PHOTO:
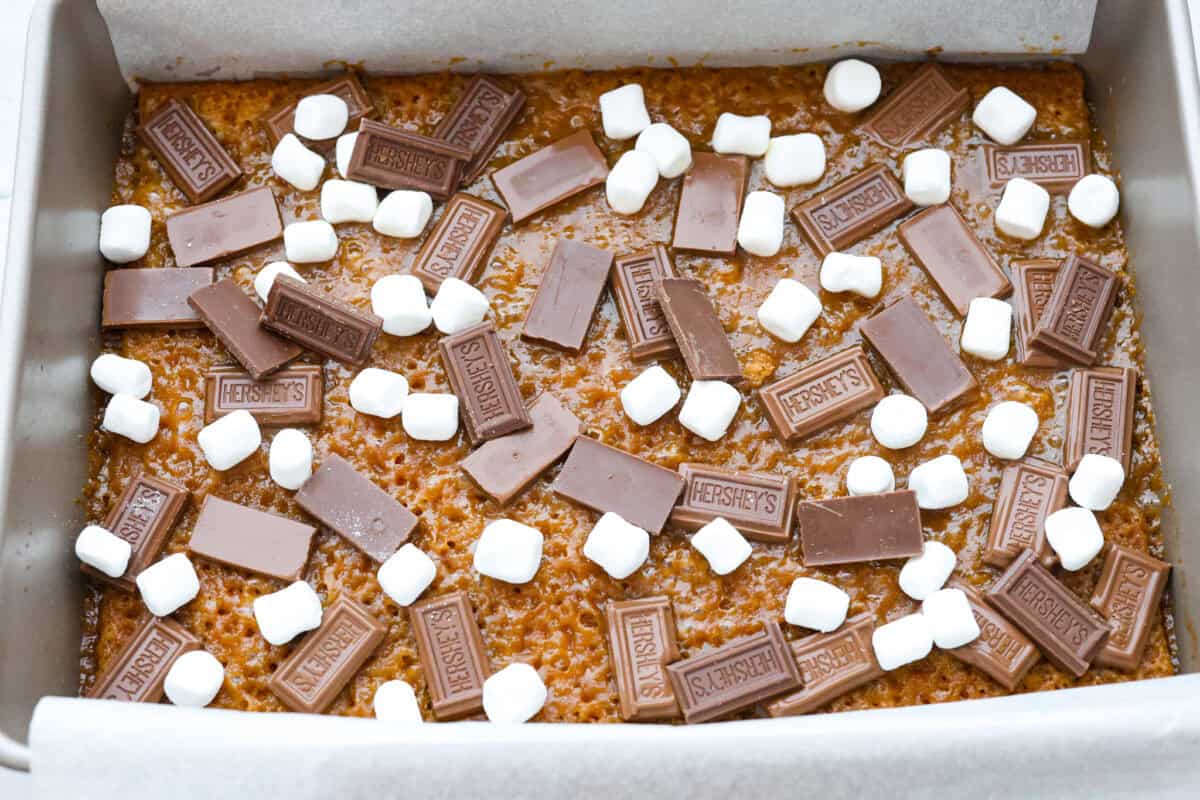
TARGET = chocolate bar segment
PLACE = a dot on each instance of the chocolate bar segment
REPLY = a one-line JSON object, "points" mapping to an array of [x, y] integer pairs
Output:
{"points": [[300, 312], [697, 330], [452, 655], [1057, 166], [394, 159], [1127, 594], [188, 151], [233, 318], [945, 246], [567, 295], [831, 664], [852, 210], [1001, 651], [634, 290], [821, 394], [280, 120], [224, 227], [604, 478], [1033, 282], [246, 538], [918, 109], [759, 504], [143, 516], [1030, 490], [479, 120], [710, 204], [290, 396], [460, 243], [849, 530], [152, 298], [1100, 410], [480, 374], [1076, 316], [140, 668], [549, 176], [641, 639]]}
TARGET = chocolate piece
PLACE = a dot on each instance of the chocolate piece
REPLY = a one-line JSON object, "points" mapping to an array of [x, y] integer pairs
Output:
{"points": [[1100, 407], [567, 295], [304, 314], [1030, 491], [918, 109], [1076, 316], [390, 158], [1127, 594], [291, 396], [188, 151], [233, 318], [941, 242], [326, 659], [1057, 166], [820, 394], [913, 348], [550, 175], [710, 204], [504, 467], [734, 676], [634, 290], [152, 298], [480, 374], [479, 120], [224, 227], [605, 479], [452, 656], [352, 506], [280, 120], [1001, 651], [460, 243], [143, 516], [697, 330], [246, 538], [759, 504], [831, 664], [848, 530], [641, 638], [1033, 281], [1068, 632], [140, 668], [852, 210]]}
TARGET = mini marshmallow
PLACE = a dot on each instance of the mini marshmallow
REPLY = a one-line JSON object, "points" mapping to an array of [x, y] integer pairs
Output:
{"points": [[671, 151], [117, 375], [899, 421], [1094, 200], [923, 575], [722, 545], [168, 585], [1075, 536], [842, 272], [509, 551], [940, 483], [1022, 210], [348, 201], [869, 475], [343, 150], [430, 417], [1004, 116], [1097, 481], [852, 85], [515, 694], [709, 409], [760, 230], [395, 701], [266, 276], [284, 615], [310, 242], [406, 574], [290, 459], [124, 233], [927, 176], [403, 214], [816, 604], [619, 547], [630, 181], [1009, 428], [988, 328], [950, 618], [400, 301], [296, 164], [794, 160], [130, 417], [378, 392], [321, 116], [194, 679], [650, 395], [902, 641], [457, 306], [789, 310], [749, 136], [623, 112], [102, 549], [230, 440]]}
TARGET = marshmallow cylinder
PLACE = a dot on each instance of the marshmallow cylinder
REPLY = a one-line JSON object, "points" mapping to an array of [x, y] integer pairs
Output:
{"points": [[168, 585], [852, 85], [789, 310], [630, 181], [760, 230], [406, 574], [117, 375], [321, 116], [738, 135], [230, 440], [457, 306], [513, 695], [709, 409], [130, 417], [794, 160], [296, 164], [310, 242], [816, 604], [124, 233], [399, 300], [509, 551], [290, 459], [194, 679], [671, 151], [902, 641], [623, 112]]}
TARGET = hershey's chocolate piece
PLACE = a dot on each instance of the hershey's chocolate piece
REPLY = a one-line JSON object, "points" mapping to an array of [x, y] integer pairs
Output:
{"points": [[550, 175], [246, 538], [1067, 631], [224, 227], [452, 654], [1076, 316], [634, 290], [734, 676], [326, 659], [567, 295], [604, 479], [831, 664], [188, 151], [152, 298], [1030, 490], [1033, 281], [710, 204], [1055, 165], [641, 638], [138, 672], [394, 159], [1001, 651], [480, 374], [233, 318], [352, 506], [697, 330], [761, 505], [460, 243], [941, 241], [872, 527], [291, 396], [1100, 408], [478, 121], [917, 354], [1127, 594], [862, 204], [302, 313], [280, 120], [504, 467], [917, 109], [820, 394], [143, 516]]}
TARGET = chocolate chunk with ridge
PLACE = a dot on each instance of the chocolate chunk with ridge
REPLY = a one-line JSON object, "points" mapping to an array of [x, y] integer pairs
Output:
{"points": [[460, 243], [290, 396], [188, 151], [850, 530], [143, 516], [1076, 316], [302, 313], [567, 295], [1057, 166], [139, 669], [1100, 409], [1128, 592], [852, 210], [233, 317], [759, 504], [390, 158], [481, 376], [941, 241], [697, 330], [279, 121], [1001, 651], [821, 394], [918, 109], [635, 292], [831, 664], [1030, 490], [152, 298], [1033, 281], [478, 121], [641, 640], [452, 654]]}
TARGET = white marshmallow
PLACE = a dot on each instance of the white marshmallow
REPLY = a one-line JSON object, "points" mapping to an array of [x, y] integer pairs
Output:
{"points": [[789, 310], [852, 85], [348, 201], [709, 409], [124, 233], [194, 679], [102, 549], [117, 375], [1009, 428], [230, 440], [378, 392], [619, 547], [940, 483], [509, 551], [513, 695], [950, 618], [1097, 481], [923, 575], [988, 328], [168, 585], [927, 176], [623, 112], [899, 421], [400, 301], [406, 574], [1094, 200], [816, 604], [630, 181], [290, 459], [650, 395], [266, 276], [1075, 536], [457, 306], [395, 701], [760, 230], [430, 417], [902, 641], [842, 272], [296, 164], [1022, 210], [343, 150], [1004, 116], [284, 615], [403, 214], [321, 116], [750, 136], [722, 545], [310, 242], [794, 160], [869, 475], [132, 418], [671, 151]]}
